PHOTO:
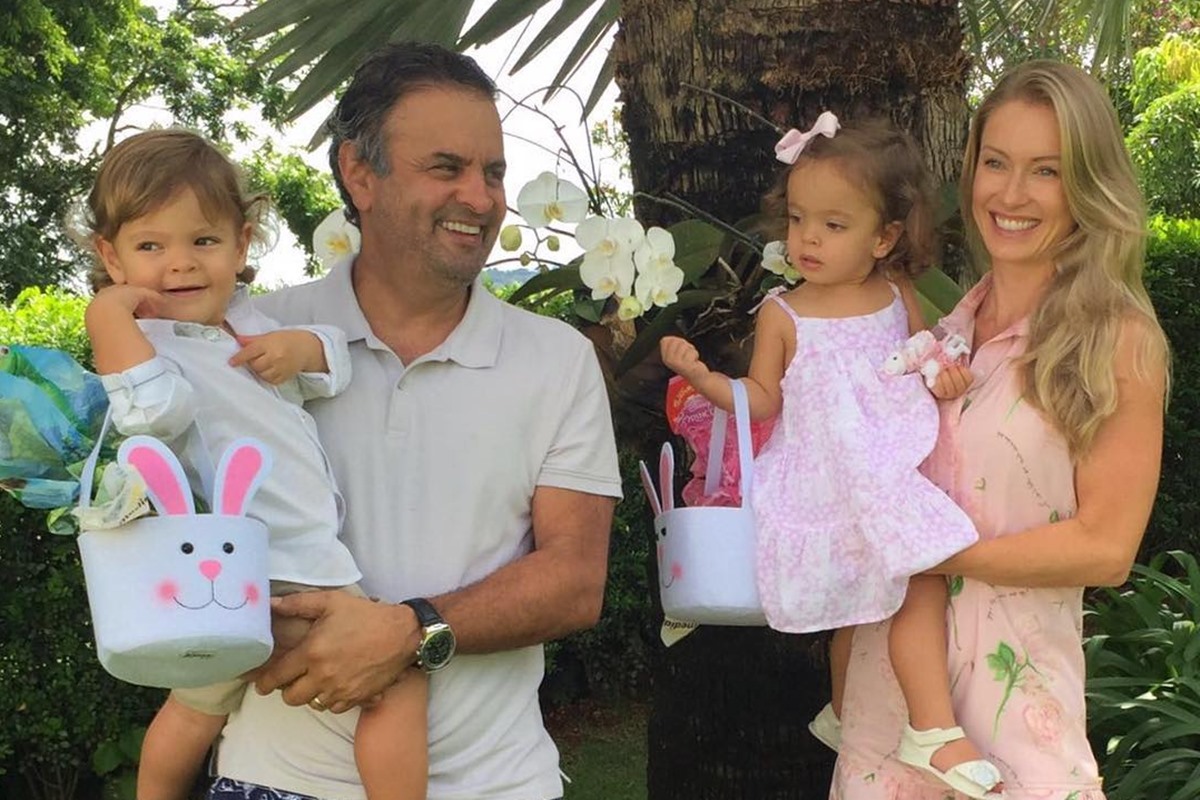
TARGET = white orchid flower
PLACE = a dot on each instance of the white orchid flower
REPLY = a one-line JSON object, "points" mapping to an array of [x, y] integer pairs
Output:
{"points": [[547, 198], [775, 259], [658, 278], [630, 308], [608, 245], [335, 238]]}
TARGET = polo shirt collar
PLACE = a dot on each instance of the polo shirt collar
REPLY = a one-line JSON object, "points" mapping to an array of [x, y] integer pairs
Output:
{"points": [[474, 342], [962, 319]]}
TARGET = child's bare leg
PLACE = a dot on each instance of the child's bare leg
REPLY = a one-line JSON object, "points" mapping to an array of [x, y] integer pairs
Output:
{"points": [[839, 664], [917, 646], [391, 742], [173, 751]]}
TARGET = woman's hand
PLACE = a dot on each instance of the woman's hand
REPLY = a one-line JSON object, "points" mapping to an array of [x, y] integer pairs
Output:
{"points": [[952, 382]]}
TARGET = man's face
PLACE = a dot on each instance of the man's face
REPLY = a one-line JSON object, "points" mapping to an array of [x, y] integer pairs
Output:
{"points": [[442, 204]]}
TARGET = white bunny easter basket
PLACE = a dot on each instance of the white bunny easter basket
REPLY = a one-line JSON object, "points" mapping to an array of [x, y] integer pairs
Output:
{"points": [[706, 554], [181, 599]]}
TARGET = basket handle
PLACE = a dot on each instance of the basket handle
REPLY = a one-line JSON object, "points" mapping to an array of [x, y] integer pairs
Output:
{"points": [[716, 444], [89, 466]]}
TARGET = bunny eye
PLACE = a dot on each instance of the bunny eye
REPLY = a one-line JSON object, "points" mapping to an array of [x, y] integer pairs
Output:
{"points": [[187, 548], [228, 547]]}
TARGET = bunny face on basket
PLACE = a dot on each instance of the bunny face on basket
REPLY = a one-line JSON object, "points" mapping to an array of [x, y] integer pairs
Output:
{"points": [[206, 562]]}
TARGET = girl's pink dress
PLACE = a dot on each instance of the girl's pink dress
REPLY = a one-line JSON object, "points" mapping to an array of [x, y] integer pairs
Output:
{"points": [[843, 517], [1016, 658]]}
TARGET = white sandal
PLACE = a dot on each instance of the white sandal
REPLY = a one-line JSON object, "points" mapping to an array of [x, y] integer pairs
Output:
{"points": [[827, 728], [975, 779]]}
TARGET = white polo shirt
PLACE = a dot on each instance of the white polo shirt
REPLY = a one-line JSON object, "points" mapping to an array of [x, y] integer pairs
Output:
{"points": [[438, 461], [189, 396]]}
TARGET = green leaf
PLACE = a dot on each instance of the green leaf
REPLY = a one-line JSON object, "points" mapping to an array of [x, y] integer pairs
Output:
{"points": [[607, 70], [567, 15], [589, 309], [591, 37], [998, 667], [939, 289], [130, 743], [658, 327], [107, 758], [500, 17], [1006, 654], [562, 279], [275, 15], [697, 245]]}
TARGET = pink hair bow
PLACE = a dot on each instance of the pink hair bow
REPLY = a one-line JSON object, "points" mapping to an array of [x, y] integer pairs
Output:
{"points": [[789, 148]]}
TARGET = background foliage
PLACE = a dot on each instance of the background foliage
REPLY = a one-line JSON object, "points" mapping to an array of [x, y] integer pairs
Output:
{"points": [[72, 73]]}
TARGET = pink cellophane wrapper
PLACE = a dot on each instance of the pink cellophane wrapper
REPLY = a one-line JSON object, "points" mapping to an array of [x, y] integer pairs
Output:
{"points": [[690, 414]]}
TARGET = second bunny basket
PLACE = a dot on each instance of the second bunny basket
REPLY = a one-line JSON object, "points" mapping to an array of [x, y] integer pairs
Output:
{"points": [[181, 599], [706, 554]]}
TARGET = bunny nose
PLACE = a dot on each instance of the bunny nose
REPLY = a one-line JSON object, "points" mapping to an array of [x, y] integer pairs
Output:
{"points": [[210, 569]]}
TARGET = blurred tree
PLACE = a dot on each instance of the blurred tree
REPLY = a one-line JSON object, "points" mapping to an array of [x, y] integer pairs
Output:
{"points": [[71, 73]]}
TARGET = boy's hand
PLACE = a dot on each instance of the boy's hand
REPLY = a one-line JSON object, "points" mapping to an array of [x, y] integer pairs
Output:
{"points": [[137, 301], [279, 356], [952, 382], [681, 357]]}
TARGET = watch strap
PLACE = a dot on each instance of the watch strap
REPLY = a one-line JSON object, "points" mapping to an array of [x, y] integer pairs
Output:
{"points": [[427, 615]]}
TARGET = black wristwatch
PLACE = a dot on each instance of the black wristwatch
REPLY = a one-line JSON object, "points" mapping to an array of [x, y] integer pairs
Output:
{"points": [[437, 639]]}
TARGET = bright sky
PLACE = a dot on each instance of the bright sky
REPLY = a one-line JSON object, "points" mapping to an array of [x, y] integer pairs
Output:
{"points": [[284, 264]]}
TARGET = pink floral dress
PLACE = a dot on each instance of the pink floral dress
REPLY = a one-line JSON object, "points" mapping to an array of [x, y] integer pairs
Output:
{"points": [[843, 518], [1015, 654]]}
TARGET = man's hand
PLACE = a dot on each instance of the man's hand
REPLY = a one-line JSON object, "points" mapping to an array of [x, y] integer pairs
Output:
{"points": [[281, 355], [681, 357], [354, 651], [952, 382]]}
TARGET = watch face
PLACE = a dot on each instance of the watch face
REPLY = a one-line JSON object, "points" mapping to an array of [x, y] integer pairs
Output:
{"points": [[437, 649]]}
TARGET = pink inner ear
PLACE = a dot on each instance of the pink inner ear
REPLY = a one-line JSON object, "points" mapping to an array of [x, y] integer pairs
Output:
{"points": [[240, 472], [160, 479]]}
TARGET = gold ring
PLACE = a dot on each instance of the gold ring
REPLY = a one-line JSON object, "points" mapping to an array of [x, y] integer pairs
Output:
{"points": [[316, 705]]}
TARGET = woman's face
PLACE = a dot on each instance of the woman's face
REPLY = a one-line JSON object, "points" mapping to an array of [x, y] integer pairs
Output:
{"points": [[1017, 198]]}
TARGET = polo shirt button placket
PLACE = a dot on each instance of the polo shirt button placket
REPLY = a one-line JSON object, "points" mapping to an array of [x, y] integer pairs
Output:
{"points": [[398, 412]]}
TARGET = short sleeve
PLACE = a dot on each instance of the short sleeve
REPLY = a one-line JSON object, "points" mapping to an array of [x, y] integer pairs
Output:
{"points": [[583, 454]]}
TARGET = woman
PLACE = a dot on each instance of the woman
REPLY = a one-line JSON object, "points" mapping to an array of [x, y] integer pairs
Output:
{"points": [[1053, 452]]}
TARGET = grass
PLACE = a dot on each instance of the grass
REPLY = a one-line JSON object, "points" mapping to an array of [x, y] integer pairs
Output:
{"points": [[603, 749]]}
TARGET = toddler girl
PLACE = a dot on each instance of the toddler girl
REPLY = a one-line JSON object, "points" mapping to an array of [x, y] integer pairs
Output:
{"points": [[845, 523], [185, 358]]}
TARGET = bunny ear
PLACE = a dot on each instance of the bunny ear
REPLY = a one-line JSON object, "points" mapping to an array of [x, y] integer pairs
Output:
{"points": [[244, 466], [666, 476], [648, 486], [165, 482]]}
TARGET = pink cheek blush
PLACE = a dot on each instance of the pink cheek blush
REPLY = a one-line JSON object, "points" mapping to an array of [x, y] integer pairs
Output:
{"points": [[166, 591]]}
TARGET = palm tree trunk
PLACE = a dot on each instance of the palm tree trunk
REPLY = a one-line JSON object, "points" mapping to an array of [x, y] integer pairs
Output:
{"points": [[731, 705]]}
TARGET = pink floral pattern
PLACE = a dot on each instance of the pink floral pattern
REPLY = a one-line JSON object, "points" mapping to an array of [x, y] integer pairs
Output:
{"points": [[1015, 653], [843, 516]]}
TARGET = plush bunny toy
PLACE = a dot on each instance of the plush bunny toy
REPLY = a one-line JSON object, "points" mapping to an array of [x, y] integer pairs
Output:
{"points": [[927, 354], [182, 599]]}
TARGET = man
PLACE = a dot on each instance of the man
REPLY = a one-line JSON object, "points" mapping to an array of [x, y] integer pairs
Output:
{"points": [[474, 449]]}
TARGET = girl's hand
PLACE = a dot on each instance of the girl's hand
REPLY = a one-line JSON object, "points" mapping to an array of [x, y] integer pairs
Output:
{"points": [[137, 301], [682, 358], [952, 382], [280, 355]]}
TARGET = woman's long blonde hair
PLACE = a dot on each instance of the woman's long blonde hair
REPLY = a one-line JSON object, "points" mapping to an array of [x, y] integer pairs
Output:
{"points": [[1068, 366]]}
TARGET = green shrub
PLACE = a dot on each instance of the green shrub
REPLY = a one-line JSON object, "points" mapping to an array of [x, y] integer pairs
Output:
{"points": [[1164, 141], [63, 714], [1173, 278], [1143, 687], [612, 659]]}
